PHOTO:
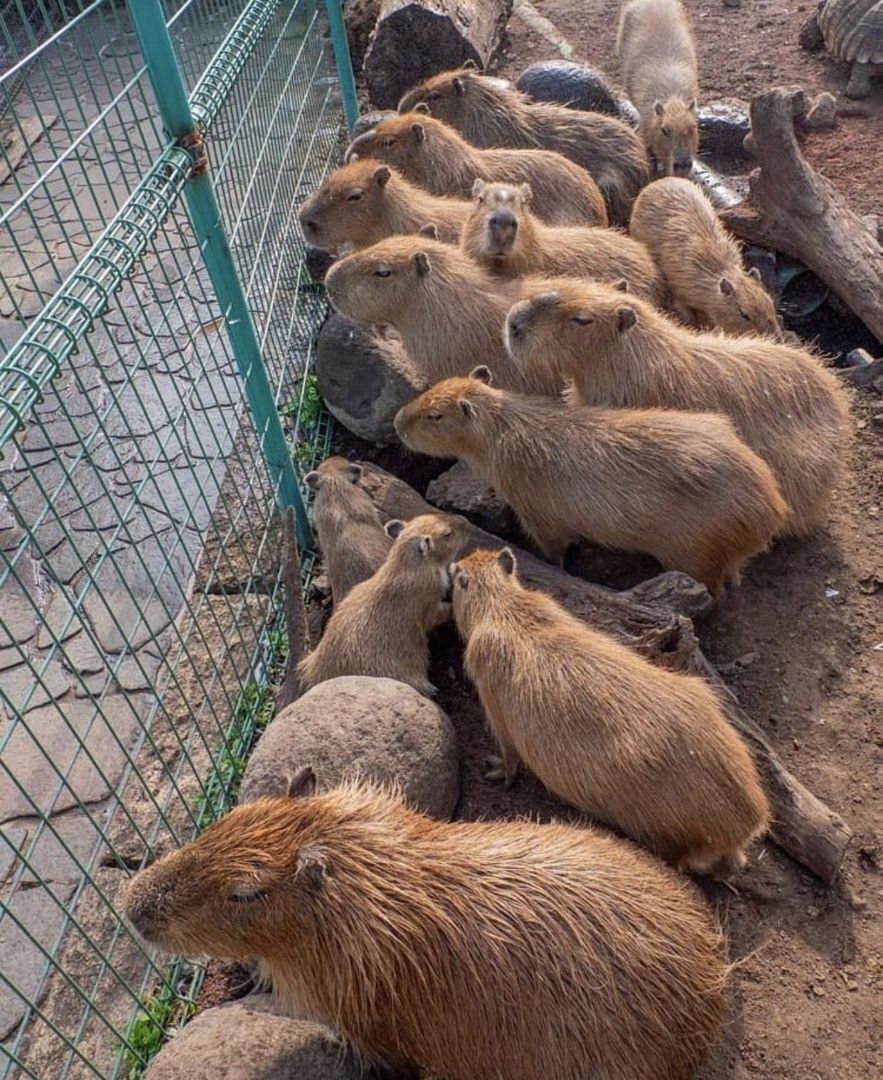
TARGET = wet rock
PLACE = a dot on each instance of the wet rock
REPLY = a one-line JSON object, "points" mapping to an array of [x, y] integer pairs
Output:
{"points": [[459, 490], [577, 86], [370, 120], [377, 728], [723, 126]]}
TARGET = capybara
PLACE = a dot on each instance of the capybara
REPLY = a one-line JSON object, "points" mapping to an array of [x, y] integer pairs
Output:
{"points": [[363, 202], [432, 155], [381, 626], [641, 748], [701, 262], [477, 950], [352, 538], [502, 235], [490, 113], [621, 353], [449, 312], [677, 485], [657, 58]]}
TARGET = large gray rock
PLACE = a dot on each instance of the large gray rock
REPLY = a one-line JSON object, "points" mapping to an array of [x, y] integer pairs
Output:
{"points": [[365, 376], [377, 728], [459, 490], [246, 1040]]}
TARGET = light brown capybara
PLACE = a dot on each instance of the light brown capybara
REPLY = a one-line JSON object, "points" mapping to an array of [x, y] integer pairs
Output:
{"points": [[489, 112], [641, 748], [435, 157], [449, 311], [352, 539], [657, 57], [380, 627], [502, 235], [620, 352], [677, 485], [701, 262], [363, 202], [476, 950]]}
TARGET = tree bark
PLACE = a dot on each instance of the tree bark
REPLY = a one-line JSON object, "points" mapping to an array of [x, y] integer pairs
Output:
{"points": [[793, 209], [655, 619]]}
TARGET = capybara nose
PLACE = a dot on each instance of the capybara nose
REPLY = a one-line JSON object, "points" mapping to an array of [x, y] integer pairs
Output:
{"points": [[503, 226], [357, 145], [310, 226], [516, 328], [682, 166]]}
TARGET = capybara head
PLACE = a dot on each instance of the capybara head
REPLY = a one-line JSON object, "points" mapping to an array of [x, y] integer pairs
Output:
{"points": [[429, 540], [346, 208], [673, 135], [477, 577], [398, 141], [450, 94], [443, 421], [743, 306], [496, 215], [333, 468]]}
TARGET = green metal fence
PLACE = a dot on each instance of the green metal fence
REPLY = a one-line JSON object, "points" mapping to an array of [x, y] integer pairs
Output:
{"points": [[156, 411]]}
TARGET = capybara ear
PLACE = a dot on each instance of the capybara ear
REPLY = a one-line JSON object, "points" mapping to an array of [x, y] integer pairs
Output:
{"points": [[418, 131], [726, 286], [421, 261], [430, 229], [622, 284], [422, 108], [506, 559], [467, 408], [483, 373], [526, 192], [354, 473], [458, 85], [469, 65], [393, 527], [303, 784], [313, 480], [351, 156], [755, 273], [311, 867], [382, 175], [459, 576], [658, 107], [477, 188], [626, 317]]}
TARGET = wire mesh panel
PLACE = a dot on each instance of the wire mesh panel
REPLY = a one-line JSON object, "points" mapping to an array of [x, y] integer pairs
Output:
{"points": [[139, 536]]}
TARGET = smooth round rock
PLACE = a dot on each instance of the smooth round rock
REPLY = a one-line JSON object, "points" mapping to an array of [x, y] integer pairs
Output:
{"points": [[376, 728], [246, 1040], [370, 120], [576, 86]]}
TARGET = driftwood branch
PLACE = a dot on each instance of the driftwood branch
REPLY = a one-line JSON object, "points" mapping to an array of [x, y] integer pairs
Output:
{"points": [[655, 619], [793, 209]]}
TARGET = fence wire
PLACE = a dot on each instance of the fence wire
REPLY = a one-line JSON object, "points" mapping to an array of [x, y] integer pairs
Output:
{"points": [[139, 537]]}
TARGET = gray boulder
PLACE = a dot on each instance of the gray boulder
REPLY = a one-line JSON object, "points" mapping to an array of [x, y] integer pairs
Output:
{"points": [[459, 490]]}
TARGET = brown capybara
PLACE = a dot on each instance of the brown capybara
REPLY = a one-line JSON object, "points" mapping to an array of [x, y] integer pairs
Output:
{"points": [[363, 202], [700, 261], [352, 538], [490, 113], [502, 235], [677, 485], [449, 312], [641, 748], [381, 626], [657, 57], [432, 155], [476, 950], [621, 353]]}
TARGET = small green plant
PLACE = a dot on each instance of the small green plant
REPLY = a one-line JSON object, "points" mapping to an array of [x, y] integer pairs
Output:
{"points": [[306, 404], [159, 1015]]}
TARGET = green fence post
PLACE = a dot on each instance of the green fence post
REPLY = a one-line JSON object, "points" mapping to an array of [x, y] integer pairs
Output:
{"points": [[174, 107], [343, 62]]}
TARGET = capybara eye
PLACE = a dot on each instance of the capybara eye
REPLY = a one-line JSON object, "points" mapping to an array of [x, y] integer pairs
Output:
{"points": [[389, 142], [354, 196], [383, 273], [247, 898], [745, 315], [433, 95], [664, 131], [434, 416], [582, 320]]}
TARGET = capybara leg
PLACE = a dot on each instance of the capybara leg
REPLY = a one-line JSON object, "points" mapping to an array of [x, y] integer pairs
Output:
{"points": [[730, 864], [442, 614], [423, 686], [503, 768]]}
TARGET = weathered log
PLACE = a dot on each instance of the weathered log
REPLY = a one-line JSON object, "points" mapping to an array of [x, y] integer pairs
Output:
{"points": [[414, 39], [655, 619], [793, 209]]}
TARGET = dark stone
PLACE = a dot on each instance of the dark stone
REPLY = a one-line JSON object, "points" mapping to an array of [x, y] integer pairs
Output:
{"points": [[723, 126], [370, 120], [577, 87], [318, 262]]}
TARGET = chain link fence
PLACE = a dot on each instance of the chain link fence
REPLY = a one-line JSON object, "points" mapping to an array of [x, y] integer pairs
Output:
{"points": [[139, 529]]}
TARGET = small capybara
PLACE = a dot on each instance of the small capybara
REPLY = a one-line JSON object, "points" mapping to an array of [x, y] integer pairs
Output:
{"points": [[432, 155], [620, 352], [380, 627], [701, 262], [352, 538], [491, 113], [476, 950], [502, 235], [641, 748], [677, 485], [363, 202], [657, 57], [449, 311]]}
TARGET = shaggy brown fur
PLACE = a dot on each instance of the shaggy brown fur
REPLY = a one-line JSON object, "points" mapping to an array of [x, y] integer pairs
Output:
{"points": [[657, 57], [449, 312], [502, 235], [352, 539], [381, 626], [679, 486], [647, 750], [432, 155], [477, 950], [363, 202], [621, 353], [700, 261], [490, 113]]}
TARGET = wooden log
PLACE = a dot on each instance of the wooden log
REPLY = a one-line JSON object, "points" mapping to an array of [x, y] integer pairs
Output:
{"points": [[655, 619], [793, 209], [414, 39]]}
